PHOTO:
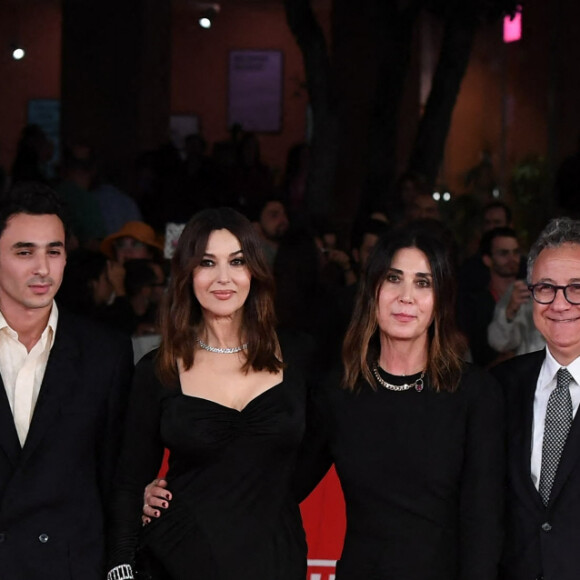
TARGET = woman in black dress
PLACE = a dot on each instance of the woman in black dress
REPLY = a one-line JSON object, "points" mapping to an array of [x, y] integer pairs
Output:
{"points": [[416, 435], [232, 415]]}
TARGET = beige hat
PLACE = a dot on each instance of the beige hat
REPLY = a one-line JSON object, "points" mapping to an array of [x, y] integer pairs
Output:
{"points": [[138, 230]]}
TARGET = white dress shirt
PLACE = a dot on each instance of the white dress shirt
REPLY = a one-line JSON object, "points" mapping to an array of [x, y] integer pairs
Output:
{"points": [[22, 371], [545, 385]]}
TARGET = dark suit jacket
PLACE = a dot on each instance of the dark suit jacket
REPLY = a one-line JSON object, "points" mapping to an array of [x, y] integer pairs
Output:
{"points": [[541, 542], [52, 491]]}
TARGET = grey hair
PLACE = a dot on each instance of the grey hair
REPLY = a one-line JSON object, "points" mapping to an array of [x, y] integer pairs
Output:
{"points": [[559, 231]]}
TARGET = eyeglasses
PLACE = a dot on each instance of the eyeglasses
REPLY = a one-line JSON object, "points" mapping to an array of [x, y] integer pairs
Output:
{"points": [[545, 293]]}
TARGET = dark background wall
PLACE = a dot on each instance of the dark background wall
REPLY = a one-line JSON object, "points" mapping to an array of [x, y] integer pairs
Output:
{"points": [[534, 81]]}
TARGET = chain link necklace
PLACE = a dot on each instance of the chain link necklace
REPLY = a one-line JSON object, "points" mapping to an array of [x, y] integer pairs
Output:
{"points": [[217, 350], [417, 385]]}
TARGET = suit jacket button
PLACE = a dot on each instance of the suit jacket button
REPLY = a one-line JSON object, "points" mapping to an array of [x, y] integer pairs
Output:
{"points": [[546, 527], [43, 538]]}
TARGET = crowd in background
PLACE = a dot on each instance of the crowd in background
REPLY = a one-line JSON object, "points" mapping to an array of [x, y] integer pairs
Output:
{"points": [[117, 268]]}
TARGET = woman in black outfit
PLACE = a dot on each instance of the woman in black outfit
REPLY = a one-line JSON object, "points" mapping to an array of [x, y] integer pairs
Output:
{"points": [[417, 435], [219, 397]]}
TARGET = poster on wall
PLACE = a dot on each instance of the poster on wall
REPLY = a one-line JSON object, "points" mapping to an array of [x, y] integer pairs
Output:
{"points": [[255, 90]]}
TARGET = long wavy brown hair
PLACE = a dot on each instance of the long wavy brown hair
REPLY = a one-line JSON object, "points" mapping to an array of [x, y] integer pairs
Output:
{"points": [[181, 315], [361, 348]]}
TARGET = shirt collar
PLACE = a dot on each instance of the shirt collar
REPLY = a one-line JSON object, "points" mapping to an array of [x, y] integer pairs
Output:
{"points": [[52, 323], [551, 367], [50, 327]]}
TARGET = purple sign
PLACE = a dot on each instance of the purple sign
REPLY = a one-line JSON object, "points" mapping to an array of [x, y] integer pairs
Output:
{"points": [[255, 90]]}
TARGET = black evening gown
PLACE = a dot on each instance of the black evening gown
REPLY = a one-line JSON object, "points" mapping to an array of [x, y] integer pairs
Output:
{"points": [[233, 514]]}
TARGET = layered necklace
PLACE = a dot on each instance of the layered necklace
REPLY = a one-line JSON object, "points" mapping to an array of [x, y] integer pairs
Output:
{"points": [[218, 350], [417, 384]]}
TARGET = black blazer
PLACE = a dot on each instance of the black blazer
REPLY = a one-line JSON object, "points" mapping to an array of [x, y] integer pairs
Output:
{"points": [[53, 490], [541, 542]]}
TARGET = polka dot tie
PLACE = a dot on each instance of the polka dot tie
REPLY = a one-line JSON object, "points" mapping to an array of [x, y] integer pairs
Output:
{"points": [[556, 427]]}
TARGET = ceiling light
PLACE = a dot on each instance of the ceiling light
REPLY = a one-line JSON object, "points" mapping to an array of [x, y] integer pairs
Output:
{"points": [[207, 18], [205, 22], [18, 53]]}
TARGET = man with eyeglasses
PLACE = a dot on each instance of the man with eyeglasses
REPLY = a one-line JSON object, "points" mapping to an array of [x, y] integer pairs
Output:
{"points": [[542, 394]]}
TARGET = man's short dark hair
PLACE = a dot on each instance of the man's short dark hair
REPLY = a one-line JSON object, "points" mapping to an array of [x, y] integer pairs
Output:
{"points": [[368, 226], [254, 211], [32, 198], [501, 205], [489, 236], [78, 157]]}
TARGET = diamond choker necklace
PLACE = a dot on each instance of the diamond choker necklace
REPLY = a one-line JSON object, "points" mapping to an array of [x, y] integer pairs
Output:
{"points": [[222, 350], [418, 384]]}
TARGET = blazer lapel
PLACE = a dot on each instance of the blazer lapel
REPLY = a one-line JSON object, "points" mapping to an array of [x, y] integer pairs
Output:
{"points": [[9, 441], [528, 380], [60, 378]]}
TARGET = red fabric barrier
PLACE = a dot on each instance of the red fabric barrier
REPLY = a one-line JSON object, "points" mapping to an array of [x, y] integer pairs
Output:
{"points": [[164, 465], [324, 519]]}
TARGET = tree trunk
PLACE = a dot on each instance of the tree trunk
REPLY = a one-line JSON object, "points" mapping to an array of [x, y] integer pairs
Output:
{"points": [[324, 144], [433, 128], [394, 45]]}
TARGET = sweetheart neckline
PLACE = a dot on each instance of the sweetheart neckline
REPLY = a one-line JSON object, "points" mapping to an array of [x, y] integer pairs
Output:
{"points": [[240, 411]]}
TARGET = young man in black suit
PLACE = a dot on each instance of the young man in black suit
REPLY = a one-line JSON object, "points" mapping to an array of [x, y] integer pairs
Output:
{"points": [[543, 394], [62, 401]]}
